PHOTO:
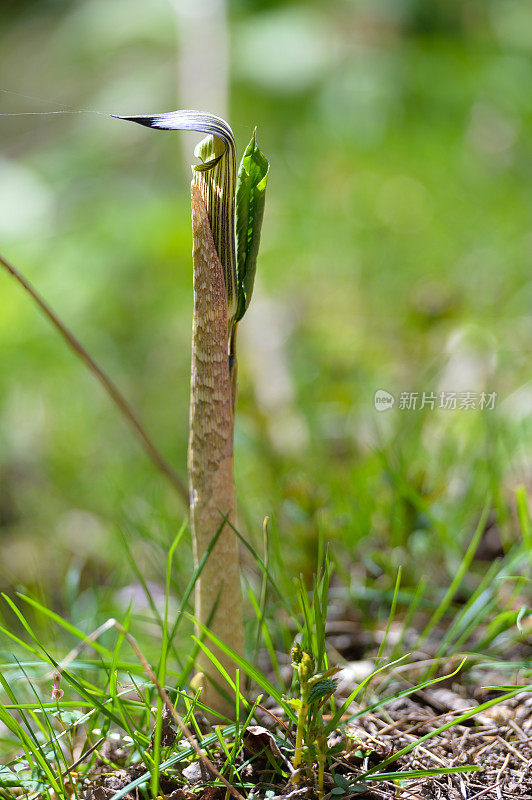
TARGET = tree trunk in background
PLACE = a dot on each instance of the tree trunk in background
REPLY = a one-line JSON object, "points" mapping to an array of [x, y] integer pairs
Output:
{"points": [[210, 459]]}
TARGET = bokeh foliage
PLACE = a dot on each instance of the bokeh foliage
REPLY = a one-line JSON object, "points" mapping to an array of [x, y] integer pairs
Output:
{"points": [[396, 254]]}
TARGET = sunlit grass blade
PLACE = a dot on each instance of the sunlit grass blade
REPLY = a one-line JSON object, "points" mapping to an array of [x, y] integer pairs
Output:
{"points": [[239, 698], [409, 774], [460, 573], [90, 694], [161, 671], [337, 716], [221, 689], [49, 736], [192, 583], [268, 573], [264, 630], [405, 692], [308, 642], [320, 605], [15, 705], [127, 722], [391, 615], [456, 721], [70, 628], [251, 671], [480, 604], [46, 706], [32, 748], [182, 755], [260, 606], [524, 518]]}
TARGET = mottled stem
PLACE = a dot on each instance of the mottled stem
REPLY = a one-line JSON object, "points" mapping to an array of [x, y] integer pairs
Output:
{"points": [[210, 458]]}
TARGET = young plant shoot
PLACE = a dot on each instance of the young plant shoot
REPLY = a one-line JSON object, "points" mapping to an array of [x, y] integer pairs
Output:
{"points": [[227, 210], [315, 688]]}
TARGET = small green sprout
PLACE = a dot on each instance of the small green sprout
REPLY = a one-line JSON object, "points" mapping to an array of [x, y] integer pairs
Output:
{"points": [[314, 690]]}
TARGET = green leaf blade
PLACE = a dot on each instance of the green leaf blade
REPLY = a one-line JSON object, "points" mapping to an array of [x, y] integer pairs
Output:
{"points": [[250, 197]]}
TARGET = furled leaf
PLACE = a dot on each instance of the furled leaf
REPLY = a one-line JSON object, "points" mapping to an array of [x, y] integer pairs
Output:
{"points": [[250, 196], [321, 690]]}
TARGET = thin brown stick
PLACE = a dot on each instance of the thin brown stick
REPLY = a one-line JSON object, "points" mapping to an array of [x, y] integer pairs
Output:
{"points": [[113, 623], [114, 393], [278, 720], [485, 791], [175, 716], [85, 755]]}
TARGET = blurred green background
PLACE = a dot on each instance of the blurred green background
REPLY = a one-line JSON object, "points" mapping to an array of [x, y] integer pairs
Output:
{"points": [[396, 255]]}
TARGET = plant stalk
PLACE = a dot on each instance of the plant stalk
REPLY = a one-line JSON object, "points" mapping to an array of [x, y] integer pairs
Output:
{"points": [[227, 210], [210, 459], [322, 758], [301, 722]]}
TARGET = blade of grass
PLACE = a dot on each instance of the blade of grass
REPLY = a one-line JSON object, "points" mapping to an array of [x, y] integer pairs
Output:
{"points": [[250, 670], [193, 580], [261, 607], [33, 752], [50, 736], [525, 523], [460, 573], [337, 716], [479, 604], [161, 671], [268, 642], [128, 724], [31, 747], [265, 570], [405, 692], [175, 716], [456, 721], [309, 635], [320, 604], [223, 672], [229, 762], [183, 755], [15, 706], [81, 690], [190, 705], [408, 774], [91, 639], [391, 615]]}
